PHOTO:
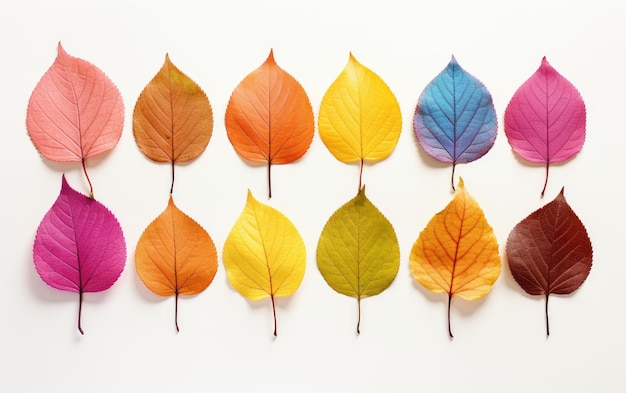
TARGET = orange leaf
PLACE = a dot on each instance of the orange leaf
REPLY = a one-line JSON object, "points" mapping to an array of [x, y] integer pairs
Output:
{"points": [[175, 255], [457, 252], [173, 119], [269, 117]]}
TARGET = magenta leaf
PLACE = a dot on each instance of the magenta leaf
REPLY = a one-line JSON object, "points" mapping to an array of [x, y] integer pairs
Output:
{"points": [[79, 246], [545, 120]]}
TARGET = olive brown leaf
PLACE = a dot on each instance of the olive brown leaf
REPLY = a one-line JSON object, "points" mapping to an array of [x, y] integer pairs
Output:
{"points": [[550, 252], [269, 117], [359, 117], [75, 112], [173, 119], [79, 246], [358, 252], [264, 255], [175, 256], [457, 252]]}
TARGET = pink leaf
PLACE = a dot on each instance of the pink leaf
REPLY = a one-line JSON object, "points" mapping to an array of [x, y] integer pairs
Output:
{"points": [[75, 111], [545, 120], [79, 246]]}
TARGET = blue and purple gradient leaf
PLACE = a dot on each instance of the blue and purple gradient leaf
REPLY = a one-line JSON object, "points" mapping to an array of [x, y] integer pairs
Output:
{"points": [[455, 120], [79, 246]]}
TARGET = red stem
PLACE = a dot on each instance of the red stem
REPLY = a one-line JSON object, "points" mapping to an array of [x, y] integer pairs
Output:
{"points": [[88, 180], [449, 329], [545, 184], [172, 187], [176, 312], [547, 319], [269, 177], [360, 176], [358, 323], [274, 311], [452, 178], [80, 311]]}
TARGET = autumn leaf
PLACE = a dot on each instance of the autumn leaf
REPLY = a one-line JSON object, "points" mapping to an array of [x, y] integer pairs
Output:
{"points": [[79, 246], [173, 119], [550, 251], [269, 117], [264, 255], [358, 252], [175, 256], [457, 252], [545, 120], [455, 120], [359, 118], [75, 112]]}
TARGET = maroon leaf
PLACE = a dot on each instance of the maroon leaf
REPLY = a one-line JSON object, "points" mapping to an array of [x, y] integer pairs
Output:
{"points": [[550, 251]]}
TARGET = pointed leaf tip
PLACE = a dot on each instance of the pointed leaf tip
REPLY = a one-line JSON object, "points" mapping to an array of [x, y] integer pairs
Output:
{"points": [[270, 57]]}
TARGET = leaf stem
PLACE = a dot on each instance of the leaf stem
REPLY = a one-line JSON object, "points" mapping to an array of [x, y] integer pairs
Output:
{"points": [[547, 319], [452, 178], [88, 180], [358, 322], [545, 184], [176, 312], [274, 311], [172, 186], [360, 175], [269, 177], [80, 311], [449, 303]]}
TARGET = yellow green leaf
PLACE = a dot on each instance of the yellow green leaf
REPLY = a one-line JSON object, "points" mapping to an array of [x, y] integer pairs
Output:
{"points": [[359, 118], [457, 252], [358, 252], [264, 255]]}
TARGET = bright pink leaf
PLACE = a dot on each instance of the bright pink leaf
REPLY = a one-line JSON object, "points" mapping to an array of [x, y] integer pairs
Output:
{"points": [[75, 111], [545, 120], [79, 246]]}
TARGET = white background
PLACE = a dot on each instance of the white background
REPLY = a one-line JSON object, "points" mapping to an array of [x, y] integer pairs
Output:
{"points": [[225, 343]]}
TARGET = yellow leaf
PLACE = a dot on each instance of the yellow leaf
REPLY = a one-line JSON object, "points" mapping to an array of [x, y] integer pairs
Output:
{"points": [[359, 118], [264, 255], [358, 252], [457, 252], [175, 255]]}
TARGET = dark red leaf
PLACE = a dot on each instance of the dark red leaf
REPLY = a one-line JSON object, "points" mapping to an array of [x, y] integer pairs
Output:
{"points": [[550, 251]]}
